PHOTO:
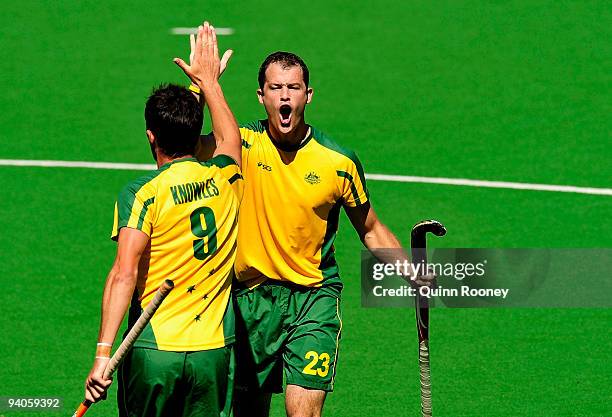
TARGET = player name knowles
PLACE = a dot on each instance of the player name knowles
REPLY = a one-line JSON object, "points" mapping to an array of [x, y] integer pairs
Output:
{"points": [[464, 291], [186, 193]]}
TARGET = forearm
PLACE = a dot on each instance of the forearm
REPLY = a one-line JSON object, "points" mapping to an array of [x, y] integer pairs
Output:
{"points": [[385, 246], [382, 243], [380, 237], [115, 301], [224, 125]]}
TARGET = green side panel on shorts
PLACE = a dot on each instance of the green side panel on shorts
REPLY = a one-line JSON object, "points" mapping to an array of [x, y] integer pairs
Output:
{"points": [[229, 324]]}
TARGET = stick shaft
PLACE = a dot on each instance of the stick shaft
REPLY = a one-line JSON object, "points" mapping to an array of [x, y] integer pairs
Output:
{"points": [[422, 319], [425, 378], [131, 337], [418, 243], [419, 256], [83, 407], [137, 328]]}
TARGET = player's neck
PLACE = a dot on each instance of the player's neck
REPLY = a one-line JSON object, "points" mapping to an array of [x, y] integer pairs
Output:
{"points": [[164, 159], [290, 139]]}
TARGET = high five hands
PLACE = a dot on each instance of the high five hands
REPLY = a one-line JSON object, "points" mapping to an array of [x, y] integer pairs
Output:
{"points": [[204, 67]]}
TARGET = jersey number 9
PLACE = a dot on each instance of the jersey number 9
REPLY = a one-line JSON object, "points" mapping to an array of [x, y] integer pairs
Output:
{"points": [[204, 227]]}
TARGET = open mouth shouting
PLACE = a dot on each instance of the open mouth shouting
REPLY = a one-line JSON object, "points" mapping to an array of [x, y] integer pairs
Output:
{"points": [[285, 115]]}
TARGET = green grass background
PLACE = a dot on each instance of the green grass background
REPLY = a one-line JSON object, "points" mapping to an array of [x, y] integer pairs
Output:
{"points": [[496, 90]]}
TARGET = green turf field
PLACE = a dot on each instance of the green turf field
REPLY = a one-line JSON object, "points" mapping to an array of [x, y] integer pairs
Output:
{"points": [[498, 90]]}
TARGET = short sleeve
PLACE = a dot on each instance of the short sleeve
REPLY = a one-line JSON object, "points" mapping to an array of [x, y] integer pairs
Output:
{"points": [[231, 171], [247, 137], [133, 210], [206, 146], [352, 182]]}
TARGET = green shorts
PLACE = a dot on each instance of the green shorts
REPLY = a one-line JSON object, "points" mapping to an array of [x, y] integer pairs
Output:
{"points": [[157, 383], [290, 329]]}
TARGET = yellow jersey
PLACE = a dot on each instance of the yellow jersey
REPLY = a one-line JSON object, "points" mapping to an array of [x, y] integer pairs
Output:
{"points": [[291, 204], [189, 210]]}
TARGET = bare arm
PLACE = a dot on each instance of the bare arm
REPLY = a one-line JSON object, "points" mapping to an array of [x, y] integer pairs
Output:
{"points": [[121, 282], [372, 232], [375, 235], [118, 291], [224, 125], [204, 71]]}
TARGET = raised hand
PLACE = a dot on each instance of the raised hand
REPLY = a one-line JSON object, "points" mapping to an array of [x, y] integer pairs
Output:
{"points": [[227, 55], [204, 67]]}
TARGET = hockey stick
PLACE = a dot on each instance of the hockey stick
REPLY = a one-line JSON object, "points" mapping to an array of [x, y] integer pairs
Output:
{"points": [[131, 337], [419, 256]]}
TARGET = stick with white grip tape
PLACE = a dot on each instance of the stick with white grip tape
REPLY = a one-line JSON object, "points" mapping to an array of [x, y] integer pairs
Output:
{"points": [[131, 337], [419, 257]]}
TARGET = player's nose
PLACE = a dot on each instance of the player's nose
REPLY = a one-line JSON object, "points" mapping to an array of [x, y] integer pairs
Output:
{"points": [[284, 96]]}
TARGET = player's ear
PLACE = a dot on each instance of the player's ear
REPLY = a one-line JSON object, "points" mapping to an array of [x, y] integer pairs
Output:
{"points": [[151, 137], [309, 93], [260, 95]]}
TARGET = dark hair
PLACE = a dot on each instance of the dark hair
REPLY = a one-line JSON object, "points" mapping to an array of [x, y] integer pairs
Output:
{"points": [[286, 60], [175, 117]]}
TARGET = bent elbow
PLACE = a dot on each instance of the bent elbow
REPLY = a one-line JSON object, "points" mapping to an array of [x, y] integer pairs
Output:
{"points": [[127, 278]]}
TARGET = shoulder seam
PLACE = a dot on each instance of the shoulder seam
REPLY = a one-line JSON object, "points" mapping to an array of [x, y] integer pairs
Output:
{"points": [[133, 188], [255, 126], [220, 161], [325, 141]]}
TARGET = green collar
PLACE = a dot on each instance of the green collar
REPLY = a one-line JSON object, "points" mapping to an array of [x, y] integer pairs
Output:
{"points": [[182, 159], [289, 148]]}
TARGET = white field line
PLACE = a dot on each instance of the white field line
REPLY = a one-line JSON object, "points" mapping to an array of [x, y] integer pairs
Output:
{"points": [[371, 177], [75, 164], [190, 31], [491, 184]]}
